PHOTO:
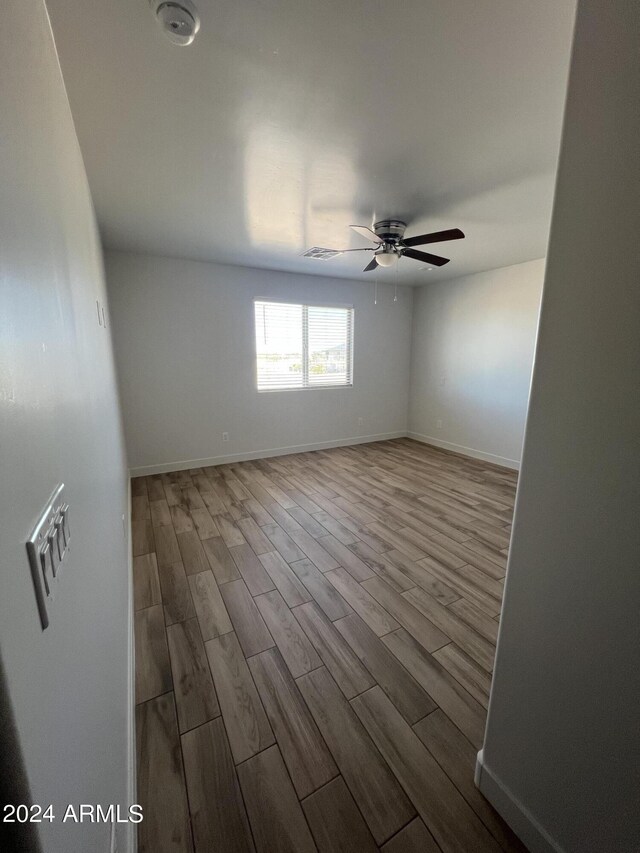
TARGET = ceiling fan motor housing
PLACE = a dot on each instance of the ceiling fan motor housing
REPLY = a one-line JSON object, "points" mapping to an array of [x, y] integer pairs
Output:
{"points": [[390, 230]]}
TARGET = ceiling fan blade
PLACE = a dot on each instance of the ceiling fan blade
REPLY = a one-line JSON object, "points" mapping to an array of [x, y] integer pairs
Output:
{"points": [[425, 257], [371, 266], [435, 237], [367, 233], [321, 253]]}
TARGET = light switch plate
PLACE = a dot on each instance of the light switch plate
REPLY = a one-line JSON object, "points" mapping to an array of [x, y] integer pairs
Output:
{"points": [[47, 548]]}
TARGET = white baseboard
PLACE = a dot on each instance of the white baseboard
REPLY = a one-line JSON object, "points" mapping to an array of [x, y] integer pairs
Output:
{"points": [[523, 823], [167, 467], [131, 832], [466, 451]]}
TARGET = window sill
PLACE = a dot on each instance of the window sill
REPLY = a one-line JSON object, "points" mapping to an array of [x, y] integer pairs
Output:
{"points": [[306, 388]]}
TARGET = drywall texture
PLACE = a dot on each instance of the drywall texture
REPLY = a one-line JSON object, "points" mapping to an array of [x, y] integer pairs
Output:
{"points": [[59, 422], [185, 348], [472, 353], [562, 737]]}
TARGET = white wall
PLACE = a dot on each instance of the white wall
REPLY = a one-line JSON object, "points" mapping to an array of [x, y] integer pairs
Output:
{"points": [[562, 751], [472, 353], [59, 422], [185, 347]]}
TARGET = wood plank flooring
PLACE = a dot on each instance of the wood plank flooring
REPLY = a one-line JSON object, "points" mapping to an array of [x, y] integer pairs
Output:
{"points": [[315, 636]]}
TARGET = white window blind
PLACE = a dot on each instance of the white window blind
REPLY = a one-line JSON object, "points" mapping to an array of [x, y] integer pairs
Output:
{"points": [[303, 346]]}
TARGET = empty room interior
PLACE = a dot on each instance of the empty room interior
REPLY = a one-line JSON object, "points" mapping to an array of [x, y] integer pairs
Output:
{"points": [[319, 417]]}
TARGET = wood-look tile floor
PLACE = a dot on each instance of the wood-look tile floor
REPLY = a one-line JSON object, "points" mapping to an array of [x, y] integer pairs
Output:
{"points": [[314, 644]]}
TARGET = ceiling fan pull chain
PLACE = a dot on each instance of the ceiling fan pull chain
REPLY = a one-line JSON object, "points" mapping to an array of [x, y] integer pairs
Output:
{"points": [[375, 293], [395, 292]]}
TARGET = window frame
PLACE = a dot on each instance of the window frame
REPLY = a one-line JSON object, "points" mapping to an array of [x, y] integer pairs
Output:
{"points": [[305, 347]]}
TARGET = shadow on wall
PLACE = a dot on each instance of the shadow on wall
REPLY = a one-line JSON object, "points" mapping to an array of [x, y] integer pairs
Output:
{"points": [[14, 786]]}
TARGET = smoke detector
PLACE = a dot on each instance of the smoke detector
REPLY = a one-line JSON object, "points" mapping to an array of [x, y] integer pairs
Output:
{"points": [[178, 18]]}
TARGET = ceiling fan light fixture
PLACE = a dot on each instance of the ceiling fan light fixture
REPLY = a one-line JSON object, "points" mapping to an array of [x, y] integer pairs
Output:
{"points": [[386, 259]]}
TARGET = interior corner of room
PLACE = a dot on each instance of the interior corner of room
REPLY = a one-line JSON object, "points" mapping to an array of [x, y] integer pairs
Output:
{"points": [[318, 426]]}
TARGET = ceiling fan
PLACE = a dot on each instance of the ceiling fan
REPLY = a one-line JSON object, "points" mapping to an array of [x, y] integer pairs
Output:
{"points": [[388, 235]]}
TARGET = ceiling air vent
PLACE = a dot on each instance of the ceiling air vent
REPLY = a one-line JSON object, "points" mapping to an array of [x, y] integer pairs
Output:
{"points": [[321, 254]]}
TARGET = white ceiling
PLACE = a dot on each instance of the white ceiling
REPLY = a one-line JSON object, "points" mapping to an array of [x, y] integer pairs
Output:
{"points": [[287, 120]]}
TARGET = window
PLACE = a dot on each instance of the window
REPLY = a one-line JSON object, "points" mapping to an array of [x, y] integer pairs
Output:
{"points": [[303, 346]]}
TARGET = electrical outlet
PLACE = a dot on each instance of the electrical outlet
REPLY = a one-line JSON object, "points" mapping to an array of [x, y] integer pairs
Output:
{"points": [[439, 423], [225, 436]]}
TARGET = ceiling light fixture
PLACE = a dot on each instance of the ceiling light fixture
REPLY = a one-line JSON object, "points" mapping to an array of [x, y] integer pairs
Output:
{"points": [[386, 258]]}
